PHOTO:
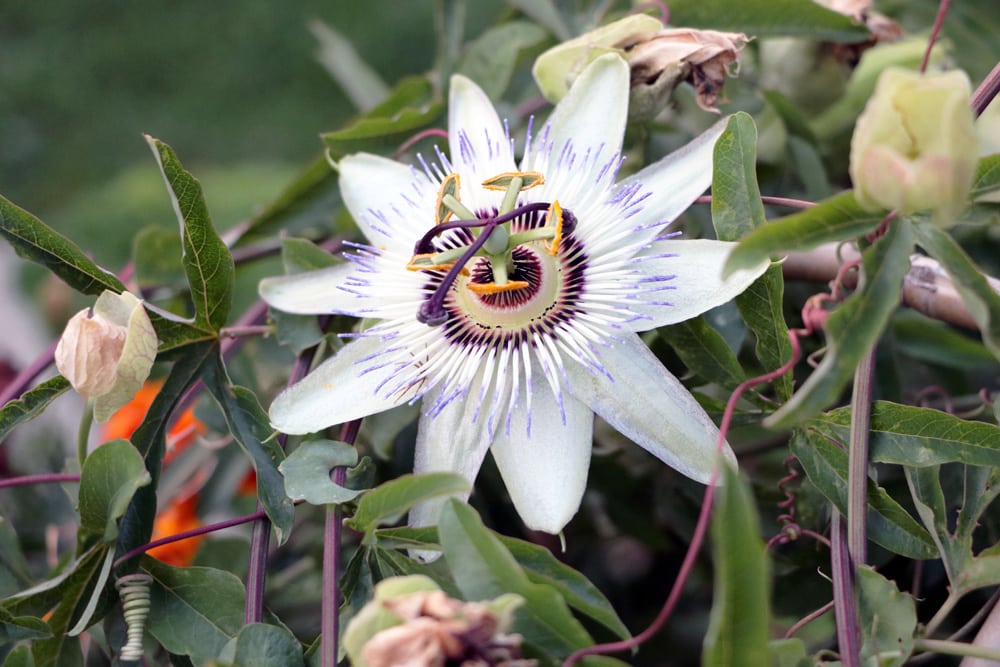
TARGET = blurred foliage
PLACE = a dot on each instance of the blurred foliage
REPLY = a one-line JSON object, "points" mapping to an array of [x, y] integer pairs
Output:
{"points": [[248, 104]]}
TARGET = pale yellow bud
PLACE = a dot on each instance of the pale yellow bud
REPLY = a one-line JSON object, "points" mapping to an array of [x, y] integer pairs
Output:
{"points": [[106, 352], [914, 146]]}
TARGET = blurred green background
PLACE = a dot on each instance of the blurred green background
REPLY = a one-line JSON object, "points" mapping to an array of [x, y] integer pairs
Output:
{"points": [[233, 86]]}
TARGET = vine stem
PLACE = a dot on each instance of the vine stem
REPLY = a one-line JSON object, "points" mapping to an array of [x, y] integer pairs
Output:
{"points": [[857, 465], [935, 31], [957, 648], [330, 612], [47, 478], [848, 630], [986, 91], [701, 528], [260, 536]]}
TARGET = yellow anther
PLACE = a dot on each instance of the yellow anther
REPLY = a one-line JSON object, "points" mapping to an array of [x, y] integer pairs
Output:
{"points": [[449, 186], [529, 179], [425, 262], [485, 289], [555, 218]]}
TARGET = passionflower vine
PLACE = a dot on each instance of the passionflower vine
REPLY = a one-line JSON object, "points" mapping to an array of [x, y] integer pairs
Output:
{"points": [[508, 298]]}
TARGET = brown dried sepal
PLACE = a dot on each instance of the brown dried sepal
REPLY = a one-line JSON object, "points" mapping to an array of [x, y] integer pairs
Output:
{"points": [[703, 58], [881, 28], [438, 631]]}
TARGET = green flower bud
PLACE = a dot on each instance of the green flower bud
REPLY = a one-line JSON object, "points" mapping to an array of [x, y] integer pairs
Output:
{"points": [[914, 146], [106, 352]]}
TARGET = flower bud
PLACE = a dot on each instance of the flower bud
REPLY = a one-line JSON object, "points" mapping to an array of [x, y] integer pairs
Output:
{"points": [[914, 146], [411, 621], [106, 352], [659, 60]]}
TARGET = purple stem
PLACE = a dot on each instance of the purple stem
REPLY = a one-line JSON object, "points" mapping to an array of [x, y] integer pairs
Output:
{"points": [[935, 31], [986, 91], [848, 631], [260, 538], [26, 377], [330, 612], [857, 467], [210, 528], [47, 478]]}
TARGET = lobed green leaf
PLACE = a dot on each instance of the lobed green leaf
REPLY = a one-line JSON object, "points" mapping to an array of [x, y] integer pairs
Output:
{"points": [[704, 351], [889, 525], [388, 502], [738, 629], [769, 18], [491, 58], [854, 327], [979, 295], [838, 218], [888, 619], [263, 645], [194, 611], [111, 475], [737, 211], [31, 404], [207, 261], [248, 423], [912, 436], [987, 177], [410, 106], [33, 240], [307, 472]]}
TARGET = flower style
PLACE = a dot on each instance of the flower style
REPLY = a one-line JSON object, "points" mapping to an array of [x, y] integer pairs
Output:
{"points": [[509, 298]]}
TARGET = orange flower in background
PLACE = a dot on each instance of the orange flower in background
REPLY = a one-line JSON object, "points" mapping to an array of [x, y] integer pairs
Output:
{"points": [[181, 515], [125, 422]]}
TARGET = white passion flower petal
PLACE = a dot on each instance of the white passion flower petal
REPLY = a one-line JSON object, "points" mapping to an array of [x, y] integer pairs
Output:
{"points": [[544, 461], [451, 440], [385, 197], [580, 143], [351, 385], [670, 185], [480, 145], [683, 279], [648, 405], [314, 292]]}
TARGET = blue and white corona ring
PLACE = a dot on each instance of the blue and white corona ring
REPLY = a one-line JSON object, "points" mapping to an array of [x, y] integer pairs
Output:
{"points": [[507, 298]]}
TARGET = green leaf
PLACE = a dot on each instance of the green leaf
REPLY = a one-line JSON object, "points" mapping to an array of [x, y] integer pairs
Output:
{"points": [[409, 107], [156, 254], [307, 472], [19, 628], [304, 208], [207, 262], [149, 439], [854, 327], [194, 611], [929, 501], [769, 18], [790, 653], [20, 657], [31, 404], [979, 295], [704, 351], [61, 650], [736, 206], [912, 436], [838, 218], [251, 428], [484, 569], [739, 627], [262, 645], [736, 211], [543, 568], [33, 240], [987, 178], [545, 13], [937, 343], [388, 502], [490, 59], [889, 524], [111, 475], [301, 255], [359, 80], [888, 619]]}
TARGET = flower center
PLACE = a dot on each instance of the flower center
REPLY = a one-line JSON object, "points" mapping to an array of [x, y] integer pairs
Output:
{"points": [[502, 264]]}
